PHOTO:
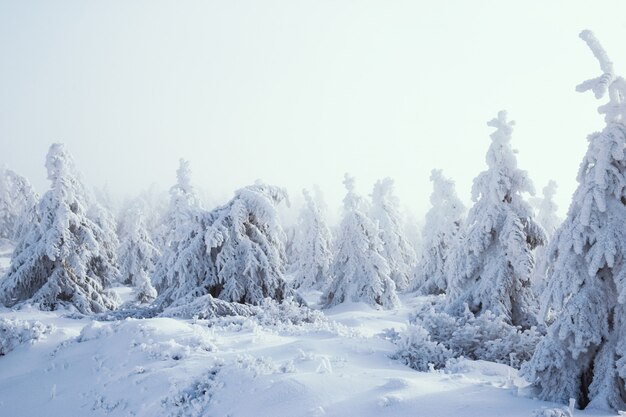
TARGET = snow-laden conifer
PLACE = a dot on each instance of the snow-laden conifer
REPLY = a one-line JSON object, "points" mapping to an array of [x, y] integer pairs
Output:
{"points": [[583, 355], [440, 230], [360, 271], [397, 250], [234, 253], [17, 203], [547, 210], [312, 247], [180, 218], [548, 218], [61, 259], [137, 255], [493, 260]]}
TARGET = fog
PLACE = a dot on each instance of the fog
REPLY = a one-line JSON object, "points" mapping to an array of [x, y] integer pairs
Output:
{"points": [[298, 92]]}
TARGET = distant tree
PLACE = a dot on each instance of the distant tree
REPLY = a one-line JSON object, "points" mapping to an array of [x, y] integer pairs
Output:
{"points": [[17, 203], [548, 218], [493, 260], [137, 255], [180, 218], [397, 250], [312, 247], [360, 271], [584, 354], [547, 210], [234, 253], [61, 260], [441, 229]]}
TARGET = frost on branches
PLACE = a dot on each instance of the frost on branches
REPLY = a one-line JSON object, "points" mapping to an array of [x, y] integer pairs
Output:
{"points": [[17, 202], [440, 231], [584, 354], [234, 253], [397, 250], [312, 247], [137, 255], [493, 260], [181, 216], [61, 259], [360, 271]]}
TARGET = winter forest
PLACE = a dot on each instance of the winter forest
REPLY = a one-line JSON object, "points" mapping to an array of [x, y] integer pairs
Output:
{"points": [[162, 305]]}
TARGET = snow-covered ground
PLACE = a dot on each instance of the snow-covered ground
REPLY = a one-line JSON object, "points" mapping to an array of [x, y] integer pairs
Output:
{"points": [[238, 367]]}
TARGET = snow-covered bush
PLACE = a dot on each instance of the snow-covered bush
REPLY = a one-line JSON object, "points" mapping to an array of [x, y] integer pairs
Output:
{"points": [[434, 336], [63, 258], [206, 307], [360, 271], [442, 225], [195, 399], [416, 349], [15, 332], [397, 250], [491, 264], [582, 356], [312, 247]]}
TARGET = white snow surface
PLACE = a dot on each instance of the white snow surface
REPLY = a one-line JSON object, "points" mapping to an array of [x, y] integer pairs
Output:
{"points": [[236, 367]]}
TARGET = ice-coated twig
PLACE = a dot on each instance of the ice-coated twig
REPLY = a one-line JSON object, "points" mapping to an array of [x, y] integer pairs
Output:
{"points": [[615, 109]]}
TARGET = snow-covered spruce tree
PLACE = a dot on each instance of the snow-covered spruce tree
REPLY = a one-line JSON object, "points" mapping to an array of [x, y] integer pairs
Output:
{"points": [[180, 218], [234, 253], [17, 202], [442, 225], [547, 208], [584, 354], [61, 259], [312, 247], [493, 260], [547, 217], [360, 271], [137, 255], [397, 250]]}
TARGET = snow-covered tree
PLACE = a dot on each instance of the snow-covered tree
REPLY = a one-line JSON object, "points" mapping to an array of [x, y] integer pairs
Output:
{"points": [[360, 271], [17, 202], [397, 250], [234, 253], [179, 219], [312, 247], [547, 210], [584, 354], [493, 260], [61, 259], [137, 255], [548, 218], [440, 231]]}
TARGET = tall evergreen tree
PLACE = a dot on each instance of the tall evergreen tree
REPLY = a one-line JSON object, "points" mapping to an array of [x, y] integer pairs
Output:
{"points": [[234, 253], [584, 354], [440, 231], [397, 250], [312, 247], [360, 271], [493, 260], [181, 217], [137, 255], [61, 260]]}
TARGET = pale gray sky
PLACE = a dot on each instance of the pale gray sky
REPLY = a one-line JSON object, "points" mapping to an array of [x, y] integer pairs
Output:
{"points": [[299, 92]]}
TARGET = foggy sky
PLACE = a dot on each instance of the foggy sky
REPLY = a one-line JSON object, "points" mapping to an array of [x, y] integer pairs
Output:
{"points": [[298, 92]]}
